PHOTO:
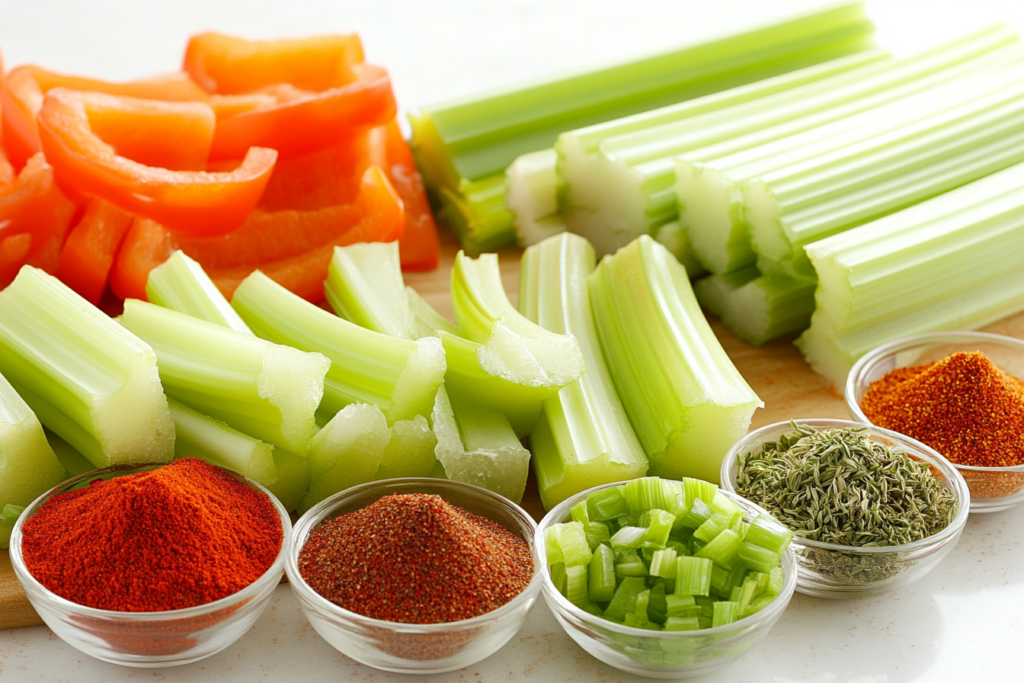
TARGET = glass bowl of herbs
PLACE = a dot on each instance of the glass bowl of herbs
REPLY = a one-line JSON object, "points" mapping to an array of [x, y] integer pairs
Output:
{"points": [[872, 510], [969, 408]]}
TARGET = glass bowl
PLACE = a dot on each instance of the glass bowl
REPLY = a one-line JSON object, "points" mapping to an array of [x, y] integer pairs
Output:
{"points": [[662, 654], [993, 489], [149, 639], [414, 648], [830, 570]]}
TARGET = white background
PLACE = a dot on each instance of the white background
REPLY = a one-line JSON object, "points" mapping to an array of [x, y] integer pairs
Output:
{"points": [[964, 622]]}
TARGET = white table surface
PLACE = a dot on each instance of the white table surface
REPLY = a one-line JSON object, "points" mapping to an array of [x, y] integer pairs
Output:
{"points": [[963, 622]]}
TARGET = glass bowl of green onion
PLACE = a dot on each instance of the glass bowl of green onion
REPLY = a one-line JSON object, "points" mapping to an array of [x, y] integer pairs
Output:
{"points": [[890, 507], [663, 578]]}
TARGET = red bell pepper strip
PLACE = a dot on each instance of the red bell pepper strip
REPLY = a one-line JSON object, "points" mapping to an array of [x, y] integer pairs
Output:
{"points": [[7, 174], [324, 178], [88, 254], [24, 88], [146, 245], [195, 203]]}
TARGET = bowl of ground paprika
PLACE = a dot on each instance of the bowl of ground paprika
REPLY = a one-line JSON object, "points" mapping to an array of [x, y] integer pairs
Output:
{"points": [[960, 393], [415, 575], [152, 565]]}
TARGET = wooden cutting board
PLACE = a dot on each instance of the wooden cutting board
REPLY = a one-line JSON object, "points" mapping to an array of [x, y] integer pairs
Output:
{"points": [[776, 371]]}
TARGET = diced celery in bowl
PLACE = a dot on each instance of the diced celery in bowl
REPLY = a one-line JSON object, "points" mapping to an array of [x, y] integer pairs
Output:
{"points": [[665, 578]]}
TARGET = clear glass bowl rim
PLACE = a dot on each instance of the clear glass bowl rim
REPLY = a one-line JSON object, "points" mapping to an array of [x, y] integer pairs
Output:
{"points": [[561, 511], [315, 515], [166, 615], [948, 470], [868, 360]]}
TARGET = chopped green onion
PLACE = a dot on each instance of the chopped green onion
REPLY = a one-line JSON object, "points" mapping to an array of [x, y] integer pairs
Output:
{"points": [[567, 543], [722, 549], [203, 437], [664, 563], [606, 504], [576, 585], [28, 465], [725, 613], [601, 574], [8, 518], [624, 600], [693, 576], [181, 284], [292, 478]]}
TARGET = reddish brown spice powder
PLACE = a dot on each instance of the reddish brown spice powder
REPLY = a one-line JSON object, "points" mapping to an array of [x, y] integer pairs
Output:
{"points": [[414, 558], [963, 406]]}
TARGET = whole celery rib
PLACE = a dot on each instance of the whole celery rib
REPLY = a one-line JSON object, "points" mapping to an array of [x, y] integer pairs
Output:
{"points": [[952, 262], [199, 436], [86, 378], [181, 284], [685, 399], [755, 307], [583, 437], [267, 391]]}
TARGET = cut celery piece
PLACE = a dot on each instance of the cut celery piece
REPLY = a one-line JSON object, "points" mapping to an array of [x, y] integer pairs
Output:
{"points": [[84, 376], [181, 284], [718, 523], [624, 600], [400, 376], [721, 504], [567, 543], [579, 513], [347, 451], [629, 563], [757, 604], [747, 593], [673, 237], [628, 537], [601, 574], [682, 624], [657, 604], [699, 489], [28, 465], [267, 391], [576, 585], [8, 518], [532, 197], [722, 549], [640, 608], [199, 436], [73, 462], [659, 525], [758, 558], [606, 504], [685, 399], [292, 478], [758, 308], [693, 576], [583, 438], [410, 452], [776, 579], [427, 321], [767, 533], [476, 211], [648, 493], [950, 263], [664, 563], [364, 285], [698, 514], [597, 533], [725, 613], [680, 605], [558, 576]]}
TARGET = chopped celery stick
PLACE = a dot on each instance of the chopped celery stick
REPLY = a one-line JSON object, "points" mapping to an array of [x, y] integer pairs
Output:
{"points": [[776, 580], [659, 525], [684, 397], [567, 543], [755, 307], [673, 237], [28, 465], [410, 452], [606, 504], [400, 376], [693, 576], [682, 624], [757, 604], [427, 322], [725, 613], [346, 452], [953, 260], [664, 563], [720, 503], [762, 581], [267, 391], [558, 577], [576, 585], [181, 284], [73, 462], [640, 608], [628, 520], [292, 478], [657, 604], [633, 620], [741, 528], [8, 518], [695, 489], [680, 605], [767, 533], [476, 211], [597, 533], [364, 285], [199, 436], [628, 537], [601, 574], [747, 592], [84, 376], [699, 514], [648, 493], [735, 578], [719, 581], [629, 563], [715, 525], [722, 549], [736, 593], [532, 197], [579, 513], [583, 437], [624, 600]]}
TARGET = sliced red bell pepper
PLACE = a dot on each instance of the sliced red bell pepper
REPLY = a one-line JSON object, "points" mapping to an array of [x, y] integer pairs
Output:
{"points": [[328, 177], [7, 174], [24, 88], [230, 66], [190, 202], [419, 247], [88, 254], [146, 245]]}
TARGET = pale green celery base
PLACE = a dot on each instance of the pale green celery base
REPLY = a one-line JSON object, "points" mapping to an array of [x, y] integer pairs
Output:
{"points": [[710, 210], [758, 308], [28, 466], [706, 434], [532, 197], [426, 321], [478, 446], [199, 436], [73, 462], [410, 452], [477, 213], [181, 284], [609, 209], [364, 285], [673, 237], [292, 478], [423, 373], [8, 518]]}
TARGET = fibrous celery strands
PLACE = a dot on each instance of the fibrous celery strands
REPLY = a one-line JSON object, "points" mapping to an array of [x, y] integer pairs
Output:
{"points": [[755, 307], [181, 284], [28, 466], [583, 437], [199, 436], [84, 376], [364, 285], [685, 399]]}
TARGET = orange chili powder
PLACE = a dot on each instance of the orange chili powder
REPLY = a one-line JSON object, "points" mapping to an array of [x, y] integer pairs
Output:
{"points": [[963, 406]]}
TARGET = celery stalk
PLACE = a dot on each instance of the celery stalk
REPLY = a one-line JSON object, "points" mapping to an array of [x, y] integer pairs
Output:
{"points": [[952, 262], [427, 322], [83, 375], [8, 518], [398, 375], [364, 285], [685, 399], [410, 452], [583, 437], [28, 466], [673, 237], [755, 307], [601, 574], [73, 462], [181, 284], [292, 478], [199, 436], [267, 391], [532, 197], [476, 211]]}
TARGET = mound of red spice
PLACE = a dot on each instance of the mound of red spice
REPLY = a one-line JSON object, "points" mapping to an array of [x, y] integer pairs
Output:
{"points": [[415, 558], [179, 536], [963, 406]]}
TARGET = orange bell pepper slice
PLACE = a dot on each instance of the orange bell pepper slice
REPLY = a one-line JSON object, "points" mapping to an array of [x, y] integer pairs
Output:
{"points": [[195, 203], [34, 218], [324, 178], [88, 254], [231, 66], [7, 174], [24, 87]]}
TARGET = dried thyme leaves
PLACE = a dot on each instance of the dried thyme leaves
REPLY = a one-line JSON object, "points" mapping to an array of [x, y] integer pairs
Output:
{"points": [[839, 486]]}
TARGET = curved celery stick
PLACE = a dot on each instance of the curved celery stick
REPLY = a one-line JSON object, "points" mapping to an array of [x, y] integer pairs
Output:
{"points": [[583, 437], [410, 452], [364, 285], [398, 375], [199, 436], [267, 391], [684, 397], [532, 195], [8, 518], [427, 322], [292, 478], [73, 462], [181, 284], [28, 466], [87, 378]]}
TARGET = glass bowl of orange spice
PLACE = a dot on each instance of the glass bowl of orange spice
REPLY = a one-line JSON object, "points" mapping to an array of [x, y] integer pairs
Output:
{"points": [[961, 393], [152, 565]]}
